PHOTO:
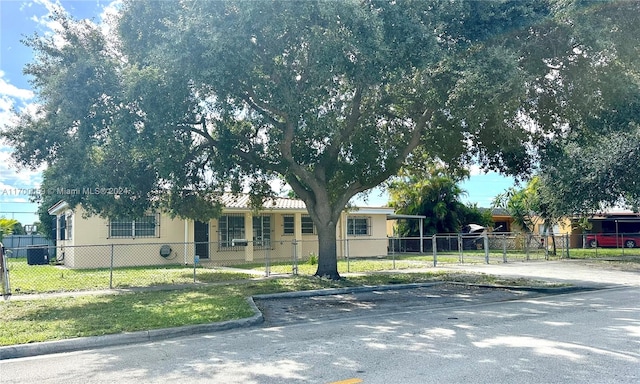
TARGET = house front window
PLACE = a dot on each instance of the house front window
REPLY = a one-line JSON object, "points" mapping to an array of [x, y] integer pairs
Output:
{"points": [[262, 231], [69, 227], [308, 228], [358, 226], [288, 225], [146, 226], [62, 227], [230, 227]]}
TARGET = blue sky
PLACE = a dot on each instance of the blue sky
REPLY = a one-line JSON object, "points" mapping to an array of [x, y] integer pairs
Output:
{"points": [[19, 19]]}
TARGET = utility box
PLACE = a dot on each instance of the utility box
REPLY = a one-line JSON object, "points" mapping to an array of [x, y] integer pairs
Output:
{"points": [[37, 255], [239, 242]]}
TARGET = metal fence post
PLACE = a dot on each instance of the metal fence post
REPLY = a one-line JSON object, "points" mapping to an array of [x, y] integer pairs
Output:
{"points": [[546, 247], [434, 247], [347, 255], [460, 249], [4, 274], [485, 239], [294, 257], [111, 269], [267, 267], [504, 248]]}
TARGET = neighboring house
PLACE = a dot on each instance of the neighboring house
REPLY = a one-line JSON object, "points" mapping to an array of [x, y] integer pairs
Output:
{"points": [[88, 241], [502, 220], [614, 221]]}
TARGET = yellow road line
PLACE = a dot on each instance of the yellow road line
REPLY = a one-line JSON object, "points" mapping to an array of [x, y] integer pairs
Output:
{"points": [[355, 380]]}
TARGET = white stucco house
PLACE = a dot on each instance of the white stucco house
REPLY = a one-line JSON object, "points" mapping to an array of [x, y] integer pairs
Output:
{"points": [[280, 230]]}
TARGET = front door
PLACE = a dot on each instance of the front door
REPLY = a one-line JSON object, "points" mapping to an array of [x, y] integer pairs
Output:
{"points": [[201, 238]]}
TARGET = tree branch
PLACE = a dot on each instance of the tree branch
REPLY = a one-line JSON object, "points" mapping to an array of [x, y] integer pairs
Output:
{"points": [[264, 109], [395, 164], [350, 125], [190, 126]]}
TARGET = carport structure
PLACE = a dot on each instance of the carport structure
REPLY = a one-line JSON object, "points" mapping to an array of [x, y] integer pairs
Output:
{"points": [[420, 219], [622, 222]]}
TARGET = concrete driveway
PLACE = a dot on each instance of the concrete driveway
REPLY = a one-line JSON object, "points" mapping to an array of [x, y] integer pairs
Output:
{"points": [[579, 272]]}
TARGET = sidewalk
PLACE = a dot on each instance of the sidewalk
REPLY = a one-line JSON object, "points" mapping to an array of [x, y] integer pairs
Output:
{"points": [[577, 272]]}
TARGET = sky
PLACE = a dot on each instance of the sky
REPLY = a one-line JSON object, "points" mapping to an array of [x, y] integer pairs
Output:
{"points": [[20, 19]]}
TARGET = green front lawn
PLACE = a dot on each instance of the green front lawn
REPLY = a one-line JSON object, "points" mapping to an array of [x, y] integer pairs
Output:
{"points": [[38, 320], [27, 279]]}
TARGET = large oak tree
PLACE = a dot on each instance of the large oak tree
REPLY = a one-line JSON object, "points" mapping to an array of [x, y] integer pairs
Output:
{"points": [[591, 164], [190, 98]]}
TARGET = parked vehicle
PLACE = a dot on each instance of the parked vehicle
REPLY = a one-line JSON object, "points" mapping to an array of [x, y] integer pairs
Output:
{"points": [[627, 240]]}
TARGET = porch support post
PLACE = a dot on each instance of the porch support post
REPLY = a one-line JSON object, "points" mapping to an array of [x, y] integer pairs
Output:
{"points": [[186, 239], [421, 235], [248, 230], [297, 232]]}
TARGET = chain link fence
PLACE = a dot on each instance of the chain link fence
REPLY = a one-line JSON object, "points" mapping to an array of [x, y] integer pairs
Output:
{"points": [[45, 268], [505, 247], [497, 247]]}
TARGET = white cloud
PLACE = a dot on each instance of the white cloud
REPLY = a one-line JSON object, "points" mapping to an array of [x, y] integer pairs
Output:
{"points": [[108, 24], [12, 97], [111, 10], [51, 6], [5, 104], [13, 179], [11, 90], [474, 170], [52, 28], [15, 182]]}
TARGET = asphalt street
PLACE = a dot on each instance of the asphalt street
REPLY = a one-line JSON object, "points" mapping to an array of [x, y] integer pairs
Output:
{"points": [[588, 337], [579, 337]]}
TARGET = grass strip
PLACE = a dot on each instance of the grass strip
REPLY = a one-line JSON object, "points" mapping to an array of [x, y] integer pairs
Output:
{"points": [[39, 320], [28, 279]]}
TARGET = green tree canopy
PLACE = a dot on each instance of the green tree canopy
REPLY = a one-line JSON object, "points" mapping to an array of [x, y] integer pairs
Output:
{"points": [[191, 98], [10, 227], [591, 164], [432, 192]]}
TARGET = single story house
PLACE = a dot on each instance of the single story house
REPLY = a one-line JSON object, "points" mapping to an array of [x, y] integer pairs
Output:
{"points": [[279, 231]]}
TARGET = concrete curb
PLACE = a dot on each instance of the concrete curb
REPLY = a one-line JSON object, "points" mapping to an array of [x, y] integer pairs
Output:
{"points": [[94, 342]]}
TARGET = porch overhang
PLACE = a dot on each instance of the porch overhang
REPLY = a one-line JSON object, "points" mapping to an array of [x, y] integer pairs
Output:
{"points": [[409, 217]]}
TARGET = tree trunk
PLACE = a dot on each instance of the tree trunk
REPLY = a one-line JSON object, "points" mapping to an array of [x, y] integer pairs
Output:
{"points": [[327, 251]]}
